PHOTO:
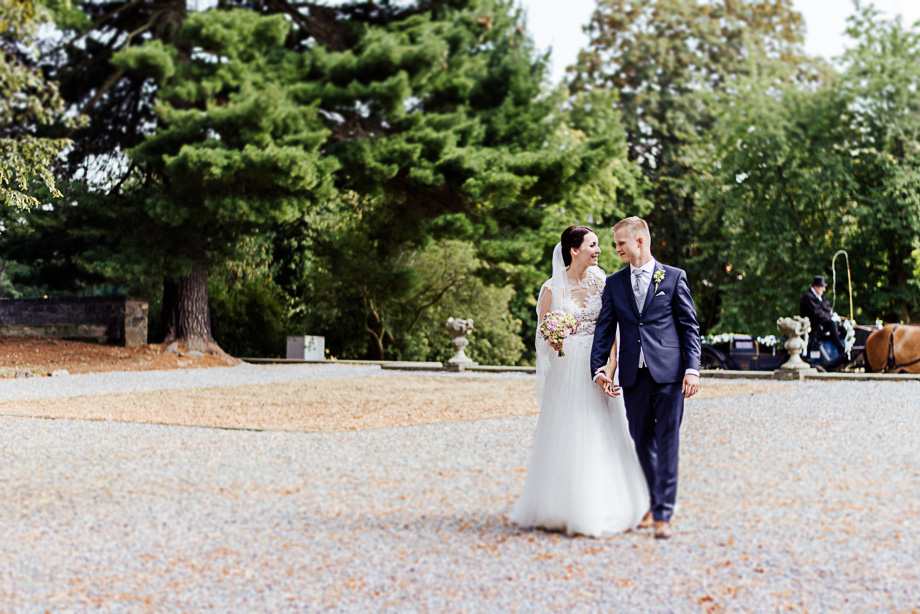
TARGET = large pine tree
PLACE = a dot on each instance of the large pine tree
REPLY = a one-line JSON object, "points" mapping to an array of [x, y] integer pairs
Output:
{"points": [[276, 115]]}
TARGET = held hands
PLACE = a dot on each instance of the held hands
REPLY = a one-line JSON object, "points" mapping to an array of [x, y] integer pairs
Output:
{"points": [[691, 385], [605, 380]]}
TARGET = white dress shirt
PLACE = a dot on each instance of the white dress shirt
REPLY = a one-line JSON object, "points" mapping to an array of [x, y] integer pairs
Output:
{"points": [[648, 269]]}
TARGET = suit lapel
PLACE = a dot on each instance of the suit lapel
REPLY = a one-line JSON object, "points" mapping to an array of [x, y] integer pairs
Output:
{"points": [[628, 291], [651, 288]]}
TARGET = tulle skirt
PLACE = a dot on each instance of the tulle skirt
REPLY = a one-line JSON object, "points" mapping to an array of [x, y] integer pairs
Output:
{"points": [[584, 476]]}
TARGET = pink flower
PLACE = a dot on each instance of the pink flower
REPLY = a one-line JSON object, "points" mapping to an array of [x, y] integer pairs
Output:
{"points": [[557, 326]]}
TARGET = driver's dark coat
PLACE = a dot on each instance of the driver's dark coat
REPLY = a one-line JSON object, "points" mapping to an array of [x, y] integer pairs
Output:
{"points": [[817, 310]]}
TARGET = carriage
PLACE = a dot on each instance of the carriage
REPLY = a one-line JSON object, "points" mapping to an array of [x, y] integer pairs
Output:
{"points": [[746, 353], [890, 348]]}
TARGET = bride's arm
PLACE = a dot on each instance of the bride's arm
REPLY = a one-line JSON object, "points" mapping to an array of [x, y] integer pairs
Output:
{"points": [[610, 368], [544, 304]]}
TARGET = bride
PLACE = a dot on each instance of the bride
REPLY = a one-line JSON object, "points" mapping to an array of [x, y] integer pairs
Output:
{"points": [[584, 476]]}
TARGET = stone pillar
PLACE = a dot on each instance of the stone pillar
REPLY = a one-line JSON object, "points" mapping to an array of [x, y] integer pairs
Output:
{"points": [[135, 334]]}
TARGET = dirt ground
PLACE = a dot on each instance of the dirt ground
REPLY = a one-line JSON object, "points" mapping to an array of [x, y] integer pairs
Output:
{"points": [[345, 404], [382, 401], [312, 405], [42, 356]]}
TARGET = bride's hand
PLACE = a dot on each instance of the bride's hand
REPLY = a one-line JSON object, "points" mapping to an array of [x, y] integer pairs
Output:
{"points": [[605, 380], [556, 346]]}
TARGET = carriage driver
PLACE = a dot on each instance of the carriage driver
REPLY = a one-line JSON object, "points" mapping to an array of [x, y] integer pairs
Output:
{"points": [[815, 307]]}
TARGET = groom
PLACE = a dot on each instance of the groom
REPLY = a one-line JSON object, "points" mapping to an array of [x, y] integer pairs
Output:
{"points": [[659, 359]]}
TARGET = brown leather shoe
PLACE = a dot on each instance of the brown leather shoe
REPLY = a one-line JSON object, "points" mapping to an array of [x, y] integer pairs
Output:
{"points": [[662, 529], [647, 521]]}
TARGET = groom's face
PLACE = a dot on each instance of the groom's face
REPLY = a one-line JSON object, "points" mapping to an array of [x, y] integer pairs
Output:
{"points": [[628, 246]]}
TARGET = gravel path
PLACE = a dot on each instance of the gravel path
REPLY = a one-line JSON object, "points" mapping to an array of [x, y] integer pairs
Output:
{"points": [[802, 499]]}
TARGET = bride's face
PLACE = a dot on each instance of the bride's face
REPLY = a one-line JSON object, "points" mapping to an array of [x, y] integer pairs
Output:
{"points": [[586, 255]]}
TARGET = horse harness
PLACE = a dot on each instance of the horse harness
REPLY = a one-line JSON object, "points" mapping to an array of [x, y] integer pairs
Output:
{"points": [[892, 361]]}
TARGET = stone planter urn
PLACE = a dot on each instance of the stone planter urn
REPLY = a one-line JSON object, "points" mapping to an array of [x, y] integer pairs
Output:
{"points": [[796, 331], [458, 328]]}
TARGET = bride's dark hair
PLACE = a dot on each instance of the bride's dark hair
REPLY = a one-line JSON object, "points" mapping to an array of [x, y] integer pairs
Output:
{"points": [[572, 237]]}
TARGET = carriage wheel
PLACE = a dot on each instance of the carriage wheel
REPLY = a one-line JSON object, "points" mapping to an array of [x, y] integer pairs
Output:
{"points": [[711, 358]]}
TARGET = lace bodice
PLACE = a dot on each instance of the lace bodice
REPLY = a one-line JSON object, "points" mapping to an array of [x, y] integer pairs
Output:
{"points": [[585, 304]]}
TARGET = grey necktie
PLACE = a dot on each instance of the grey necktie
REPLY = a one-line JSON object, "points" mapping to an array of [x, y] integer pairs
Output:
{"points": [[637, 289]]}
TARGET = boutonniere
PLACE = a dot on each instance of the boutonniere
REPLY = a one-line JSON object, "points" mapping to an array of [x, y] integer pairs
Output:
{"points": [[658, 277]]}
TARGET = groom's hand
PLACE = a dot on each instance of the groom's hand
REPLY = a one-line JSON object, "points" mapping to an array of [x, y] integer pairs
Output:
{"points": [[691, 385], [601, 379], [606, 383]]}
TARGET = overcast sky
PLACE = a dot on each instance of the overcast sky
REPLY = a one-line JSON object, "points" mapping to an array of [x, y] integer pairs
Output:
{"points": [[559, 25]]}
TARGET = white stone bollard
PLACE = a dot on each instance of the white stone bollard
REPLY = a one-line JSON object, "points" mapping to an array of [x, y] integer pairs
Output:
{"points": [[306, 348]]}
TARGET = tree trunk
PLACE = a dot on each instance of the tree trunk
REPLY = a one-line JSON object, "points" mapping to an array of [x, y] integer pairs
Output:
{"points": [[371, 311], [185, 314]]}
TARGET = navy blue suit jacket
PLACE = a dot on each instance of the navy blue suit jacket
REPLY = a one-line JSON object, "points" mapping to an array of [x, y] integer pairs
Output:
{"points": [[666, 331]]}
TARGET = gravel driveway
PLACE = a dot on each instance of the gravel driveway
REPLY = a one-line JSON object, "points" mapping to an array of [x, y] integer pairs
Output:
{"points": [[801, 499]]}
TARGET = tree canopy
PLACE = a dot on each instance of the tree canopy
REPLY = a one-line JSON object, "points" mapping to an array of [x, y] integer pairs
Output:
{"points": [[366, 170], [669, 60], [407, 129], [30, 107]]}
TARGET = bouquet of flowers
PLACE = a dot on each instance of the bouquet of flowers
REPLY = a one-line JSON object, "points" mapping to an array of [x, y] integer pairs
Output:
{"points": [[556, 326]]}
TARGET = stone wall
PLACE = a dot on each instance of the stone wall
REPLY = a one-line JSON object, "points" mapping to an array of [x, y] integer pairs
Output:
{"points": [[120, 321]]}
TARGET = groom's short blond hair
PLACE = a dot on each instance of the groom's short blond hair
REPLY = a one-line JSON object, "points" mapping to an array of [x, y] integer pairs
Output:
{"points": [[635, 226]]}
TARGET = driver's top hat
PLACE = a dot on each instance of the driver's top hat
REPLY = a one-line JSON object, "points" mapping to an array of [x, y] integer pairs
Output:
{"points": [[818, 281]]}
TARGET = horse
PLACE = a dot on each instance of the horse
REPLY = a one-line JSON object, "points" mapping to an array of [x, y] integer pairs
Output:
{"points": [[894, 348]]}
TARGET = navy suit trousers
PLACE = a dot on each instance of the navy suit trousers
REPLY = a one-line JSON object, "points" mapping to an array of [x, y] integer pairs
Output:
{"points": [[655, 412]]}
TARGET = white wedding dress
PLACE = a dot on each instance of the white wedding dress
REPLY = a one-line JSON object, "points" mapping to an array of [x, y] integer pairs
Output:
{"points": [[584, 476]]}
